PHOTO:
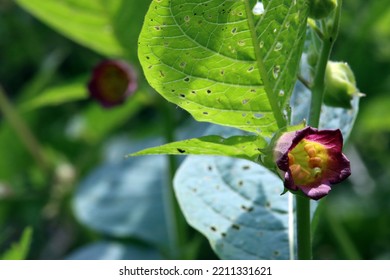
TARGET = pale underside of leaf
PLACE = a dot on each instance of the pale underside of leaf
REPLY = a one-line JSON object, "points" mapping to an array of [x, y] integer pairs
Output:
{"points": [[208, 58], [245, 147], [237, 205]]}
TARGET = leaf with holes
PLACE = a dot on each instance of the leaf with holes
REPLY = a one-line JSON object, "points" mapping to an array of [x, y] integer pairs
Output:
{"points": [[223, 63], [237, 205], [245, 147]]}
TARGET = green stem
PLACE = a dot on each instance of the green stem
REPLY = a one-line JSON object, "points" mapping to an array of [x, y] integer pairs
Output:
{"points": [[303, 228], [177, 227], [319, 84], [318, 88], [22, 129]]}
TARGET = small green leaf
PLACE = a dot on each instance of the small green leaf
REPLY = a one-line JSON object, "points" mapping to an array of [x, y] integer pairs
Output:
{"points": [[245, 147], [222, 63], [19, 251], [89, 23], [71, 91]]}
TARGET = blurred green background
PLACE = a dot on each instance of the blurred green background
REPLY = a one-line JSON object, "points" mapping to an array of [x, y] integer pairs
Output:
{"points": [[43, 74]]}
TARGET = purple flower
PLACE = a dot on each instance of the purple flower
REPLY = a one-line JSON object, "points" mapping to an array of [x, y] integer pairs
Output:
{"points": [[311, 160], [112, 82]]}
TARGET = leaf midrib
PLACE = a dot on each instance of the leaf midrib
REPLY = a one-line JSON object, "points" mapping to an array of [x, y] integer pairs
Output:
{"points": [[262, 69]]}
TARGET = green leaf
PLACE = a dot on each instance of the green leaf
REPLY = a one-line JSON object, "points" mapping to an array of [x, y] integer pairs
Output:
{"points": [[94, 24], [19, 251], [237, 205], [245, 147], [222, 63], [71, 91]]}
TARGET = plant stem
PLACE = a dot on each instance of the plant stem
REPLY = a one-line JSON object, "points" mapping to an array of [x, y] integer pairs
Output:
{"points": [[177, 227], [303, 228], [291, 226], [319, 84], [23, 131], [318, 88], [303, 203]]}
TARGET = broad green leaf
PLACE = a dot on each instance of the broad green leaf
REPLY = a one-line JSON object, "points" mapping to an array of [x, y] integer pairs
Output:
{"points": [[222, 63], [107, 27], [246, 147], [237, 205], [19, 250]]}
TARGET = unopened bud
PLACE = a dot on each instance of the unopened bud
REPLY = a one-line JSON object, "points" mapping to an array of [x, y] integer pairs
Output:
{"points": [[340, 85]]}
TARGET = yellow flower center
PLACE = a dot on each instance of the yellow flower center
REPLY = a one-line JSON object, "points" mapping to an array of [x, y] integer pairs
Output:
{"points": [[307, 162]]}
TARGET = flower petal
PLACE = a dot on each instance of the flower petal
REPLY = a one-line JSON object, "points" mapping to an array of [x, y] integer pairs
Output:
{"points": [[339, 168], [289, 182], [331, 139], [317, 192], [311, 160]]}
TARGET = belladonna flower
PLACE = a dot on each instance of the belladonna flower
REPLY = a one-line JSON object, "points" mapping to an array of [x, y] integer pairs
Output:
{"points": [[311, 160], [112, 82]]}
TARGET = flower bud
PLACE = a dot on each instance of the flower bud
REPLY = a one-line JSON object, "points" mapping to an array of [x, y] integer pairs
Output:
{"points": [[340, 85], [112, 82], [321, 8]]}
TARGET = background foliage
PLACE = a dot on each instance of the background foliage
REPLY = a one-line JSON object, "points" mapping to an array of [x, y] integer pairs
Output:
{"points": [[44, 73]]}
